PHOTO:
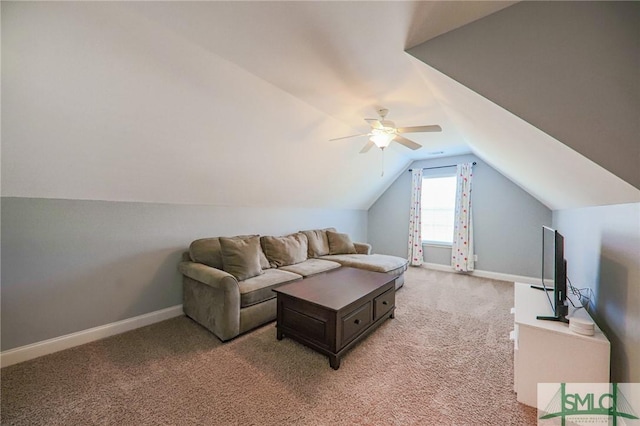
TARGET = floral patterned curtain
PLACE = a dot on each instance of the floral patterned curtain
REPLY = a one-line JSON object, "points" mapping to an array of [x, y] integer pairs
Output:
{"points": [[415, 221], [462, 256]]}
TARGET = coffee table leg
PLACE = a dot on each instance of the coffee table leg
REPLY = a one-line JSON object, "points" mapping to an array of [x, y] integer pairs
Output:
{"points": [[334, 361]]}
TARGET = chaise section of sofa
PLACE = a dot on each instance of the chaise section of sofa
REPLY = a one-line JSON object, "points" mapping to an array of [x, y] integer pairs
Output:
{"points": [[336, 247], [228, 282], [391, 265]]}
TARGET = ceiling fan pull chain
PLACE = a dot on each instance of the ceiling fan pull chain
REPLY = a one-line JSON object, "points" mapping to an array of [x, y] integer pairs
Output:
{"points": [[382, 174]]}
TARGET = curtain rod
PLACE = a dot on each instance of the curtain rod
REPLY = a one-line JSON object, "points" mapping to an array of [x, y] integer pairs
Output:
{"points": [[440, 167]]}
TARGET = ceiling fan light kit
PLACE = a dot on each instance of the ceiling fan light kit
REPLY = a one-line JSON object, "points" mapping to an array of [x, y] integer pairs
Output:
{"points": [[383, 132], [382, 137]]}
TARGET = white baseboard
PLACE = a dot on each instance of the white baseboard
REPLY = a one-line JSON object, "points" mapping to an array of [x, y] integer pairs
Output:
{"points": [[486, 274], [46, 347]]}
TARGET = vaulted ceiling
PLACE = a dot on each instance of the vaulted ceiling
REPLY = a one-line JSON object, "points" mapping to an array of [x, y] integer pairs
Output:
{"points": [[234, 103], [568, 69]]}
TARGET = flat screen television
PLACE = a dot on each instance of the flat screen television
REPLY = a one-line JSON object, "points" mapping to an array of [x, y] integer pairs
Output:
{"points": [[554, 274]]}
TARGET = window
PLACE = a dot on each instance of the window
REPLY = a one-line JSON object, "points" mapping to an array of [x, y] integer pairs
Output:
{"points": [[438, 209]]}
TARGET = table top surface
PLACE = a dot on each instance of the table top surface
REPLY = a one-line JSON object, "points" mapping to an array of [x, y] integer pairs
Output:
{"points": [[532, 302], [337, 288]]}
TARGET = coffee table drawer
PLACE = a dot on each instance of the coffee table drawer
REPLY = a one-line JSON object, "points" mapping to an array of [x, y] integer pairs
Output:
{"points": [[355, 322], [313, 328], [383, 303]]}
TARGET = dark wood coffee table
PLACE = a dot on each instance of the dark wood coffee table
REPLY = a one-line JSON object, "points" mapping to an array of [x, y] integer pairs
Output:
{"points": [[330, 312]]}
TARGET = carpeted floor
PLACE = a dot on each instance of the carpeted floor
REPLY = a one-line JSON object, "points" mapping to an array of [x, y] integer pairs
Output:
{"points": [[445, 359]]}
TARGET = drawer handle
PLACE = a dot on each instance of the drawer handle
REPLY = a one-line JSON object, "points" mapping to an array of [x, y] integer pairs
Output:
{"points": [[385, 303], [357, 321]]}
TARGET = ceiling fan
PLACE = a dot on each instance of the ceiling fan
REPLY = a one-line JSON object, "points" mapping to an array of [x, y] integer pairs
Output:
{"points": [[383, 132]]}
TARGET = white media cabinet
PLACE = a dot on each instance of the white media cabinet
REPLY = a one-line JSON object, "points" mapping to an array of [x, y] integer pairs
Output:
{"points": [[548, 352]]}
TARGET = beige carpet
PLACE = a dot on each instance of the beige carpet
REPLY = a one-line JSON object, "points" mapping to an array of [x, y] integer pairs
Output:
{"points": [[445, 359]]}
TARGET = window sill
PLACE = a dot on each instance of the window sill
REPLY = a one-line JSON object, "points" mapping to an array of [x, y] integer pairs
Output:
{"points": [[435, 244]]}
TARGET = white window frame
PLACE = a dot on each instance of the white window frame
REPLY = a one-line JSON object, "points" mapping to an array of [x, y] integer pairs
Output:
{"points": [[439, 174]]}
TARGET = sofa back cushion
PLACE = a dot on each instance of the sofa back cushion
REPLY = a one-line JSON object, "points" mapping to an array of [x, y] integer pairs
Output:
{"points": [[207, 252], [318, 242], [287, 250], [340, 243], [241, 257]]}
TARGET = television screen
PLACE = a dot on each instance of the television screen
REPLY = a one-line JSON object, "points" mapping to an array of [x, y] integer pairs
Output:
{"points": [[548, 256], [554, 274]]}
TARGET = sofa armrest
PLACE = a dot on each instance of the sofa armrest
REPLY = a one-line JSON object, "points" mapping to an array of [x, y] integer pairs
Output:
{"points": [[362, 248], [211, 297], [212, 277]]}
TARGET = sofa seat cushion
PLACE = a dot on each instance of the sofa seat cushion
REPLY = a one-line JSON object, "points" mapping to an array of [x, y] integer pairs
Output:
{"points": [[311, 267], [258, 289], [392, 265]]}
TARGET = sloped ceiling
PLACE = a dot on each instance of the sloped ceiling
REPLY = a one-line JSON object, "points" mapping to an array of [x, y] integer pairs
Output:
{"points": [[234, 103], [222, 103], [555, 174], [570, 69]]}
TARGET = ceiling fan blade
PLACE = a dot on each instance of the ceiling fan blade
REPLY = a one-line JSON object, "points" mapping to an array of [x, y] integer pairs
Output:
{"points": [[406, 142], [346, 137], [418, 129], [374, 122], [367, 147]]}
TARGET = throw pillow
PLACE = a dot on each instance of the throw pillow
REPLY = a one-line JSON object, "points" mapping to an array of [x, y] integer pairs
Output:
{"points": [[340, 243], [318, 243], [241, 257], [287, 250], [207, 251], [264, 263]]}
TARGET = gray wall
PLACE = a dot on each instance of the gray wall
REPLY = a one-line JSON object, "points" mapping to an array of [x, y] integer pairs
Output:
{"points": [[69, 265], [602, 248], [568, 68], [507, 221]]}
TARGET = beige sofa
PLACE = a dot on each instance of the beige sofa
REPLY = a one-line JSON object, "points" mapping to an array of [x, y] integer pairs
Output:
{"points": [[228, 282]]}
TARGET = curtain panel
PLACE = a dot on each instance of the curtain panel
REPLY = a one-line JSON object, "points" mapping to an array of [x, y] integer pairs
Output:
{"points": [[415, 222], [462, 248]]}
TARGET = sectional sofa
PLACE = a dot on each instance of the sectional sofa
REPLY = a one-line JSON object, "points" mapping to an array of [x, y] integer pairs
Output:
{"points": [[228, 282]]}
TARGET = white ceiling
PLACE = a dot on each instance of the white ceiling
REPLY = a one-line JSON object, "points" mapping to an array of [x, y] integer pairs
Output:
{"points": [[225, 103], [345, 59]]}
